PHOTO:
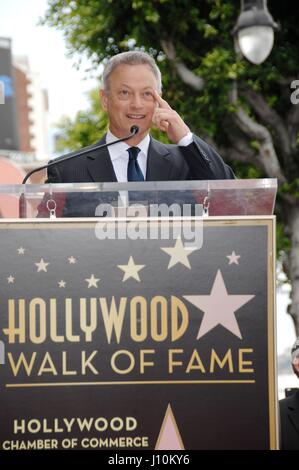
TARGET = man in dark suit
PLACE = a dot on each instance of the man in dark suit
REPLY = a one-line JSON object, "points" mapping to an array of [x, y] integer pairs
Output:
{"points": [[131, 96], [289, 410]]}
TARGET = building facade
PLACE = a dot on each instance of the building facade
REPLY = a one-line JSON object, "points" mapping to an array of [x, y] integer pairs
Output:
{"points": [[23, 112]]}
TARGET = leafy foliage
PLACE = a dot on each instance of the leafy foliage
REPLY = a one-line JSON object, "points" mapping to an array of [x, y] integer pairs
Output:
{"points": [[201, 34], [86, 128]]}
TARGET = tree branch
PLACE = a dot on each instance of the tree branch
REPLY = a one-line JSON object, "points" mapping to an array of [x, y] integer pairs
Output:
{"points": [[246, 153], [293, 124], [187, 76], [267, 154], [270, 117], [239, 152], [233, 154]]}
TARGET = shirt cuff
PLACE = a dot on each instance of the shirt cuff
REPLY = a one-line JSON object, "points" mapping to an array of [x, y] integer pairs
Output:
{"points": [[186, 140]]}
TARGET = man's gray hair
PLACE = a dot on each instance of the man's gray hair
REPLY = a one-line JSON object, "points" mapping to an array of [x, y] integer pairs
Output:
{"points": [[131, 58], [295, 357]]}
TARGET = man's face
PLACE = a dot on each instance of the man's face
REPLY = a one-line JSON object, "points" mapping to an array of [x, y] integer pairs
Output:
{"points": [[129, 100]]}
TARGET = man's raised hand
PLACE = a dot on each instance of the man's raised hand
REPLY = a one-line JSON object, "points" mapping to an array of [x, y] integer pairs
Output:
{"points": [[168, 120]]}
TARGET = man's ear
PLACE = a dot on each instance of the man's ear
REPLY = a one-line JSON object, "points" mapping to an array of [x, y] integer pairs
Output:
{"points": [[104, 99]]}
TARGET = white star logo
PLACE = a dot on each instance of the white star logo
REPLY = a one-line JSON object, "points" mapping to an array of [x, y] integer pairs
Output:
{"points": [[92, 281], [62, 283], [233, 258], [42, 266], [131, 269], [72, 260], [219, 307], [10, 279], [21, 250], [178, 254]]}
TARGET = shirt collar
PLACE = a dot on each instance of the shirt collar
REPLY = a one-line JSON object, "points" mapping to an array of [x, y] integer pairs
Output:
{"points": [[118, 150]]}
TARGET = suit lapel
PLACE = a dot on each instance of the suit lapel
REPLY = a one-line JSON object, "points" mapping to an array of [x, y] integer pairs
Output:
{"points": [[158, 162], [99, 164]]}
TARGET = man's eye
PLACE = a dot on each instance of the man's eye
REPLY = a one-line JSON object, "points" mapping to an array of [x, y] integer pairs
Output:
{"points": [[124, 92]]}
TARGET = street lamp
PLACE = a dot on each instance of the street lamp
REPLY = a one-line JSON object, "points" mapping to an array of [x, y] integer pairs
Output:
{"points": [[254, 30]]}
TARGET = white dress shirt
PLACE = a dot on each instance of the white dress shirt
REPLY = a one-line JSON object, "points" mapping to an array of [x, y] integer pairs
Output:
{"points": [[120, 156]]}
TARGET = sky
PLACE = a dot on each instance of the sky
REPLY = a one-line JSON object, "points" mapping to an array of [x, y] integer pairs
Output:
{"points": [[46, 51], [67, 88]]}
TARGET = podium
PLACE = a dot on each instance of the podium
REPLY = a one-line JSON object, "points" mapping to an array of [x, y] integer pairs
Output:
{"points": [[135, 328]]}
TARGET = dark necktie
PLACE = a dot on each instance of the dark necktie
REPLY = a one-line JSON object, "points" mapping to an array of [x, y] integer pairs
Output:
{"points": [[134, 172]]}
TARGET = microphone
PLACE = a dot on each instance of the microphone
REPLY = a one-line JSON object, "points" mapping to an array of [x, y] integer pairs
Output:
{"points": [[22, 202], [69, 156], [134, 130]]}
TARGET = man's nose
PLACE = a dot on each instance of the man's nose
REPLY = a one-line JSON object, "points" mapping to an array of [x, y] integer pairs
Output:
{"points": [[136, 101]]}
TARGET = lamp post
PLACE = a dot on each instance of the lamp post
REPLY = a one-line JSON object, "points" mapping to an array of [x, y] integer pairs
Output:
{"points": [[254, 30]]}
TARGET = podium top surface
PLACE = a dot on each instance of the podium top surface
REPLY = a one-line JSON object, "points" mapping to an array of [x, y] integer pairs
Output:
{"points": [[219, 197]]}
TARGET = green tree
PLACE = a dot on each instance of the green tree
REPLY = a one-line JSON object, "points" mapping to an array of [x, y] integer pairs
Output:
{"points": [[243, 110], [85, 129]]}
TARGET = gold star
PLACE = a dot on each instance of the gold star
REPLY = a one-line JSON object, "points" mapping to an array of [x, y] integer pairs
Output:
{"points": [[10, 279], [92, 281], [42, 266], [131, 269], [178, 254], [61, 283]]}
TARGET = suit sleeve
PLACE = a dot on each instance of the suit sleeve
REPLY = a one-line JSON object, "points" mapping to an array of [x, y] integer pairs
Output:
{"points": [[204, 163], [53, 174]]}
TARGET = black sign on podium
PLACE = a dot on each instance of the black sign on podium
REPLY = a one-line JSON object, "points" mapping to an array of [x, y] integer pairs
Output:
{"points": [[139, 333]]}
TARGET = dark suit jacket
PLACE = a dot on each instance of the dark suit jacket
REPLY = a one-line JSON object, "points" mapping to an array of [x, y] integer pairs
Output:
{"points": [[289, 422], [165, 162], [197, 161]]}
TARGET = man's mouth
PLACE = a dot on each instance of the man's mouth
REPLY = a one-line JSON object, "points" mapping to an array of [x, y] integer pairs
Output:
{"points": [[136, 116]]}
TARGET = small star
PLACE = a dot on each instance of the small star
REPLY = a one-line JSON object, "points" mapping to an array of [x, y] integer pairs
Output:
{"points": [[233, 258], [41, 266], [10, 279], [131, 269], [72, 260], [92, 281], [21, 250], [61, 283], [178, 254]]}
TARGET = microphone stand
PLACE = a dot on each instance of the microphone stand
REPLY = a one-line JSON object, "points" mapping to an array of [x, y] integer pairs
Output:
{"points": [[68, 156]]}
